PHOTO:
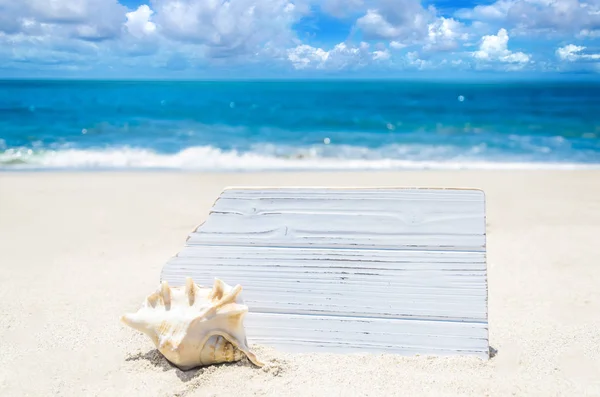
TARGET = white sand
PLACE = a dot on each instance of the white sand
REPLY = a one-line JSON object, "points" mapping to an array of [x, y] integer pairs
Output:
{"points": [[78, 250]]}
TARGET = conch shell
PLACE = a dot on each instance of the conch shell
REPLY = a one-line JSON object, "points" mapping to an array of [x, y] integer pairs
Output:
{"points": [[195, 326]]}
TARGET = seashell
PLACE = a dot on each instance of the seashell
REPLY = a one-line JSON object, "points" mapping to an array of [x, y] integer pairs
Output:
{"points": [[195, 326]]}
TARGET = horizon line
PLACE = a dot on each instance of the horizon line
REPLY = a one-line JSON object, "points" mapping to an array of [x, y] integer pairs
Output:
{"points": [[405, 79]]}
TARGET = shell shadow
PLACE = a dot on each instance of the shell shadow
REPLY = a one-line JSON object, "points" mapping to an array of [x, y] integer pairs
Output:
{"points": [[155, 358]]}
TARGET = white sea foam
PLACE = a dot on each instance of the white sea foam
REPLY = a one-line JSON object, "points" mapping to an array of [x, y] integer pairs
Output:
{"points": [[207, 158]]}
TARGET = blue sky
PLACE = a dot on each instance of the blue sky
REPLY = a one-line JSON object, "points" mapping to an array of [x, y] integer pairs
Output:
{"points": [[298, 38]]}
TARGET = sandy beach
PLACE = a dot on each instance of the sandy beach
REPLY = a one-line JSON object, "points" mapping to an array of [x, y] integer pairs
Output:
{"points": [[80, 249]]}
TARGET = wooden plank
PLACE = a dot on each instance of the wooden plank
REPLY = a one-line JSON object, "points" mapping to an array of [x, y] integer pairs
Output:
{"points": [[335, 258], [364, 257], [339, 270], [298, 333], [389, 293], [332, 193], [338, 218]]}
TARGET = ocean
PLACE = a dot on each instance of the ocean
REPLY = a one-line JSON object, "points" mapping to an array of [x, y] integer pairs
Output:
{"points": [[298, 125]]}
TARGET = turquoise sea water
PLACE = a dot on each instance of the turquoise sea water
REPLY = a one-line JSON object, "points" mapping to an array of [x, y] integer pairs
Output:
{"points": [[297, 125]]}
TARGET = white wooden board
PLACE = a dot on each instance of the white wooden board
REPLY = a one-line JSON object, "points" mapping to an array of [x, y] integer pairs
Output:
{"points": [[397, 270]]}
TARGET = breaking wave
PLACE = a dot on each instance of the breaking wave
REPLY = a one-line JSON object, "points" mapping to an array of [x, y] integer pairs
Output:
{"points": [[271, 157]]}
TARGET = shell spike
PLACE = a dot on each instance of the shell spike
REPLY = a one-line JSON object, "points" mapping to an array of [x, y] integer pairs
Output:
{"points": [[218, 289], [165, 293], [223, 301], [252, 357], [131, 321], [190, 290], [138, 322], [231, 296]]}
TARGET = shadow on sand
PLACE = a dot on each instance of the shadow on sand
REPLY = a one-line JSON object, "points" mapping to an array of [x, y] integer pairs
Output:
{"points": [[493, 352], [155, 358]]}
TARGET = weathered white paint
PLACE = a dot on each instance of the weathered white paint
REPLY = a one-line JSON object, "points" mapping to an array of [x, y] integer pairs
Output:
{"points": [[301, 333], [398, 270]]}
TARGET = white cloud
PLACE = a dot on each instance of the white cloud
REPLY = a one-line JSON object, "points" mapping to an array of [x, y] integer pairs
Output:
{"points": [[250, 30], [397, 45], [81, 11], [85, 19], [444, 34], [93, 20], [539, 16], [587, 33], [414, 60], [495, 11], [41, 37], [573, 53], [403, 21], [42, 47], [344, 56], [341, 56], [228, 28], [381, 55], [377, 26], [569, 52], [459, 63], [304, 56], [138, 22], [495, 48], [140, 35], [406, 22]]}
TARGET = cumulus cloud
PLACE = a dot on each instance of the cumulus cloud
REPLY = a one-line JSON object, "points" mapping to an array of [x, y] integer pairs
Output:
{"points": [[495, 48], [244, 29], [30, 39], [41, 49], [397, 45], [341, 56], [414, 61], [539, 16], [138, 22], [304, 56], [140, 35], [495, 11], [404, 21], [444, 34], [587, 33], [381, 55], [93, 20], [57, 34], [81, 11], [574, 53], [407, 22], [227, 27]]}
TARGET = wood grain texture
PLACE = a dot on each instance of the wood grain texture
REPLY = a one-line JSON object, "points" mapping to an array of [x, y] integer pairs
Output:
{"points": [[362, 218], [398, 270]]}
